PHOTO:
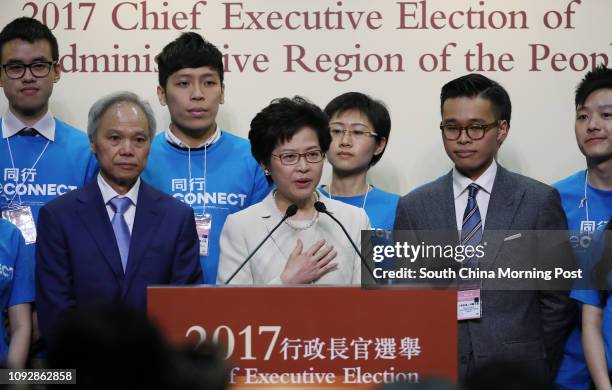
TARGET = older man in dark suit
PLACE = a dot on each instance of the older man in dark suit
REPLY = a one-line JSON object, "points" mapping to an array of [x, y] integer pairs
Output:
{"points": [[479, 198], [106, 242]]}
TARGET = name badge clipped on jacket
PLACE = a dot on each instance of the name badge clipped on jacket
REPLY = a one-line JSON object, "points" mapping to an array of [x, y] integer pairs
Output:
{"points": [[203, 226], [22, 217], [468, 304]]}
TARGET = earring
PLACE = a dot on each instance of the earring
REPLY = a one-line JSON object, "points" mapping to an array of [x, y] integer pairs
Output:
{"points": [[266, 172]]}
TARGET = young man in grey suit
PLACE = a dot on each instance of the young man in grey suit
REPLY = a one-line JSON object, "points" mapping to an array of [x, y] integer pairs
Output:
{"points": [[481, 198]]}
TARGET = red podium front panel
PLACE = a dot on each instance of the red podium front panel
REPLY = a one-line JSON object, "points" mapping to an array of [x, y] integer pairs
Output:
{"points": [[314, 337]]}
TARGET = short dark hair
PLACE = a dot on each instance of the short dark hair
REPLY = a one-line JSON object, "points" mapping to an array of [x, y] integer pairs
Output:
{"points": [[279, 122], [189, 50], [476, 85], [599, 78], [29, 30], [125, 342], [374, 110]]}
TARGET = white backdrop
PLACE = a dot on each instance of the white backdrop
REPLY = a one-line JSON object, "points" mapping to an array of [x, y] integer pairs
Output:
{"points": [[541, 143]]}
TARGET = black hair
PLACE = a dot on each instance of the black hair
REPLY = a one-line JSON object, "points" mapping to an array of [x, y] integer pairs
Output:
{"points": [[29, 30], [599, 78], [476, 85], [126, 344], [374, 110], [189, 50], [280, 120]]}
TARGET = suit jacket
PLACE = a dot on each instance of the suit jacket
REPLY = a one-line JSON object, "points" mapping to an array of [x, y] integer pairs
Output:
{"points": [[515, 325], [244, 230], [78, 262]]}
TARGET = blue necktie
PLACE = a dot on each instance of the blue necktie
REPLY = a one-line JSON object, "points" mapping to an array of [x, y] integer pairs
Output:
{"points": [[471, 228], [120, 227]]}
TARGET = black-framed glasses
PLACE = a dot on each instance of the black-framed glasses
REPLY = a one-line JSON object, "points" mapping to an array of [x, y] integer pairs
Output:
{"points": [[38, 69], [474, 131], [338, 133], [292, 158]]}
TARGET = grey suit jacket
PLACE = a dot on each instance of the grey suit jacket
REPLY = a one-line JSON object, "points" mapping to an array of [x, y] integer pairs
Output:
{"points": [[527, 326]]}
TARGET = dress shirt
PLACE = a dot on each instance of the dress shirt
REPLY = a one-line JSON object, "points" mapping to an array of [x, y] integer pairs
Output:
{"points": [[460, 192], [11, 125], [109, 193]]}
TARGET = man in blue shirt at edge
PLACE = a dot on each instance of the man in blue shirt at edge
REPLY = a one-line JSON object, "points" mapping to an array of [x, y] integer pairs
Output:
{"points": [[587, 200], [194, 160], [41, 157], [16, 296]]}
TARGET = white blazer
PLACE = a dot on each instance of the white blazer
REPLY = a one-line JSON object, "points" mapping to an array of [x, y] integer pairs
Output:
{"points": [[244, 230]]}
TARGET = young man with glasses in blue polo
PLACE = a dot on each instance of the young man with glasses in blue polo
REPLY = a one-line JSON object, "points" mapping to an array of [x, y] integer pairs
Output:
{"points": [[41, 157], [482, 201]]}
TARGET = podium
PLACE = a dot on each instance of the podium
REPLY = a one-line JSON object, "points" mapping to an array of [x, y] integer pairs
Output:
{"points": [[315, 337]]}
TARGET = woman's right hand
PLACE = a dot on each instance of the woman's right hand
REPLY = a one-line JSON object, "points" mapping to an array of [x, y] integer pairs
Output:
{"points": [[305, 267]]}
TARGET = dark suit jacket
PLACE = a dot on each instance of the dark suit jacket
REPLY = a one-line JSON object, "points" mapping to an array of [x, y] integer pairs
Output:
{"points": [[78, 264], [528, 326]]}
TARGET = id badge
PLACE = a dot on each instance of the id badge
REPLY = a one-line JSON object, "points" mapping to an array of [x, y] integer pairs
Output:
{"points": [[203, 226], [468, 304], [22, 217]]}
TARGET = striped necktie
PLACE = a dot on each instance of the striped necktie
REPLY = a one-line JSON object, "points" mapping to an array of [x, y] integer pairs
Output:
{"points": [[471, 228]]}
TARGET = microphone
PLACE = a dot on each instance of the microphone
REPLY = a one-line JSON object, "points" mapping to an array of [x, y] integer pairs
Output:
{"points": [[320, 207], [291, 211]]}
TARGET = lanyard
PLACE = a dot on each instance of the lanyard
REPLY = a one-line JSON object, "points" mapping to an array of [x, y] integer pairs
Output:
{"points": [[190, 176], [8, 142], [584, 202]]}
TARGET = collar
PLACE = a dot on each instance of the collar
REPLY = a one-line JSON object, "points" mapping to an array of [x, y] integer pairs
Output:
{"points": [[12, 125], [176, 141], [485, 181], [269, 208], [109, 193]]}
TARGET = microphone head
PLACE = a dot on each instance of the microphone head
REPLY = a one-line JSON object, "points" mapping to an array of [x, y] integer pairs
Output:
{"points": [[291, 211], [320, 207]]}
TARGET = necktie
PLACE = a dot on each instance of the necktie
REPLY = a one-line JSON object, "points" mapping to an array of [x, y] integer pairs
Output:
{"points": [[120, 227], [28, 132], [471, 229]]}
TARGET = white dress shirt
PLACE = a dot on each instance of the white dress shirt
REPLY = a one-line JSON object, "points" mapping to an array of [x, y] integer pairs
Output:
{"points": [[460, 192], [11, 125], [109, 193]]}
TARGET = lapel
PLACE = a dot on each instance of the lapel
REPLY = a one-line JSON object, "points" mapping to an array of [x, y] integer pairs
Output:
{"points": [[270, 216], [442, 214], [505, 199], [93, 214], [146, 222]]}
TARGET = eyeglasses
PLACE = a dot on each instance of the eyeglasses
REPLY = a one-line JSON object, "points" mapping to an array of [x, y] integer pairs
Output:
{"points": [[338, 133], [292, 158], [38, 69], [474, 131]]}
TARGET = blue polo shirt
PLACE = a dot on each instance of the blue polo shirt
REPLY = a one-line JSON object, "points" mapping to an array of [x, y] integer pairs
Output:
{"points": [[221, 180], [16, 276], [584, 232]]}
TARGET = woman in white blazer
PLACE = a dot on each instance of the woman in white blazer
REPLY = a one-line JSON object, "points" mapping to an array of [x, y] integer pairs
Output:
{"points": [[289, 139]]}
